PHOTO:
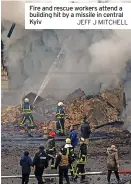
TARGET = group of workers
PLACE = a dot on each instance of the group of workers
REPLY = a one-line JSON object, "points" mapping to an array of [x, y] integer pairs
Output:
{"points": [[66, 158], [27, 116], [60, 117]]}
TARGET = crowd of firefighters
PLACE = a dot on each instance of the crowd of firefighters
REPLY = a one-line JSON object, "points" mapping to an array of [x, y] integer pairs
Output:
{"points": [[65, 158], [71, 156]]}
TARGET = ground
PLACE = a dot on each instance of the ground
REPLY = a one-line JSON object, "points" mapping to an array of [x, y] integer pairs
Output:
{"points": [[12, 151]]}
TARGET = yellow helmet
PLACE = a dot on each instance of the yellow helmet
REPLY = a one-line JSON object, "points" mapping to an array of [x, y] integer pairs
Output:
{"points": [[68, 141]]}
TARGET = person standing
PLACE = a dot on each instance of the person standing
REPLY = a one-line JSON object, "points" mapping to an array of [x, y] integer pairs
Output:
{"points": [[51, 149], [82, 158], [27, 112], [73, 135], [25, 163], [40, 163], [71, 155], [112, 163], [85, 130], [60, 115], [62, 161]]}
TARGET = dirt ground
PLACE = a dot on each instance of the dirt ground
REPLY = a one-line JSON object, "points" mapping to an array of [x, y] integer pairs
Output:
{"points": [[12, 151]]}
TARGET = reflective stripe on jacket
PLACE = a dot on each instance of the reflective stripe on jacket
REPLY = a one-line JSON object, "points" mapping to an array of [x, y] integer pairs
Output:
{"points": [[60, 113], [26, 108], [82, 157]]}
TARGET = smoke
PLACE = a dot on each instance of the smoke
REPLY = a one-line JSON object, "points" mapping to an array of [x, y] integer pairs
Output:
{"points": [[90, 57]]}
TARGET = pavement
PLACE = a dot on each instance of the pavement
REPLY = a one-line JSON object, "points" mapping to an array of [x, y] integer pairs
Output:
{"points": [[11, 151]]}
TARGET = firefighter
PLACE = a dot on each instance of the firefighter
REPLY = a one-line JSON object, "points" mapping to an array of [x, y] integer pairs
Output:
{"points": [[50, 148], [86, 130], [82, 158], [60, 115], [40, 163], [70, 153], [62, 161], [27, 115]]}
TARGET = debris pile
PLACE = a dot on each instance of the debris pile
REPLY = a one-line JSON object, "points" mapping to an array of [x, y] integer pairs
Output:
{"points": [[77, 94], [105, 107], [10, 114], [99, 109]]}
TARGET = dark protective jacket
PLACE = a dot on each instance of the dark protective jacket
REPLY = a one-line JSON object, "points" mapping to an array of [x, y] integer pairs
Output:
{"points": [[26, 164], [40, 160], [60, 113], [112, 159], [27, 108], [74, 137], [85, 130], [50, 147], [82, 157]]}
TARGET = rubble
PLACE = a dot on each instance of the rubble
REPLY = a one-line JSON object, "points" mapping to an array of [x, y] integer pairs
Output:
{"points": [[10, 114], [77, 94], [105, 107], [100, 109]]}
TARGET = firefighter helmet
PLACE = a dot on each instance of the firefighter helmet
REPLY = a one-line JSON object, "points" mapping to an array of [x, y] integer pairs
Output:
{"points": [[26, 100], [68, 141], [52, 134], [60, 104]]}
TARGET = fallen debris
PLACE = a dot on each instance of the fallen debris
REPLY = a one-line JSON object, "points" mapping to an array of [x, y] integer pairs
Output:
{"points": [[100, 109]]}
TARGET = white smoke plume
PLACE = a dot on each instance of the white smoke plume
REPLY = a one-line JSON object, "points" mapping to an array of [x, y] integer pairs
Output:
{"points": [[90, 57]]}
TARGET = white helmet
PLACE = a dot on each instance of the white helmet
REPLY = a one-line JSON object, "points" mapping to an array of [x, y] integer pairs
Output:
{"points": [[26, 100], [60, 104]]}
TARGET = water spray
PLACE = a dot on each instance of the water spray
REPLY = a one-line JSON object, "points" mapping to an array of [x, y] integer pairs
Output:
{"points": [[54, 67]]}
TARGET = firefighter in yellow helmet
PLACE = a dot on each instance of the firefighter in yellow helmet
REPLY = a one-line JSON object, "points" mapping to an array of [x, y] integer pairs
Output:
{"points": [[82, 158], [71, 156], [27, 112], [60, 115]]}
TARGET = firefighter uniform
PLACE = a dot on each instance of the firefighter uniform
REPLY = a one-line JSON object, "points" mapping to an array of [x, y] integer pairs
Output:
{"points": [[63, 162], [27, 115], [60, 115], [82, 159], [51, 150], [71, 156]]}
